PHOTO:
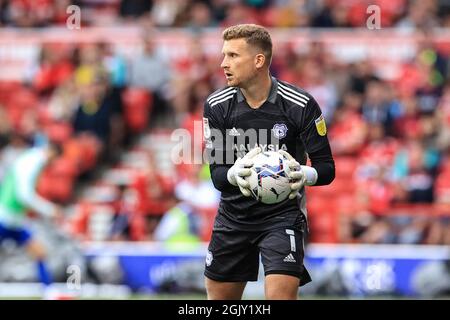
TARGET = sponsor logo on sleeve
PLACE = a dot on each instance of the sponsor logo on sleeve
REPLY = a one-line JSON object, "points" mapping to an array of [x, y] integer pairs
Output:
{"points": [[206, 128], [321, 126]]}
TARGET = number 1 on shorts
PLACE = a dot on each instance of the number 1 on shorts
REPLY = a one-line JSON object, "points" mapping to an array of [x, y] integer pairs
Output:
{"points": [[292, 238]]}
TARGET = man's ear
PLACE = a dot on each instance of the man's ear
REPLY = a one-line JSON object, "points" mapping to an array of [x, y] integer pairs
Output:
{"points": [[260, 60]]}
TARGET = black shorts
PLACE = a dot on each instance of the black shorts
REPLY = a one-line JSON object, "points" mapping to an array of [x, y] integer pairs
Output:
{"points": [[233, 255]]}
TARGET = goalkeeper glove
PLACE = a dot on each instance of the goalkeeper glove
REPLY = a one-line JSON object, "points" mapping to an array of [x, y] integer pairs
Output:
{"points": [[296, 175], [242, 169]]}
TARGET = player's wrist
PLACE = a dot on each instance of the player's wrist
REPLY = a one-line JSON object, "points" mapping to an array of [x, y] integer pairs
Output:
{"points": [[310, 174]]}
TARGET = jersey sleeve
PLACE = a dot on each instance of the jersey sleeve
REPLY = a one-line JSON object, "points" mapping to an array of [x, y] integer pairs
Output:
{"points": [[27, 177], [218, 154], [313, 130], [313, 133]]}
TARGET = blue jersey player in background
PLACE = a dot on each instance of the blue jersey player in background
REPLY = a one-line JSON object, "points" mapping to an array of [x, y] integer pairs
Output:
{"points": [[18, 195]]}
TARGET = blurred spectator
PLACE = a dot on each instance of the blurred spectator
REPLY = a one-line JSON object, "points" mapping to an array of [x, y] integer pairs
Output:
{"points": [[118, 73], [64, 101], [348, 133], [16, 146], [192, 79], [238, 13], [135, 8], [184, 223], [288, 14], [60, 11], [411, 229], [165, 12], [376, 192], [179, 226], [333, 15], [361, 74], [420, 15], [404, 15], [5, 128], [199, 16], [95, 112], [323, 90], [414, 168], [154, 189], [407, 226], [442, 117], [128, 221], [378, 231], [152, 72], [114, 63], [219, 9], [31, 13], [4, 4], [378, 152], [376, 107], [54, 69]]}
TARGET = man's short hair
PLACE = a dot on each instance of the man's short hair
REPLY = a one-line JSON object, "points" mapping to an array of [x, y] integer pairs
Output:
{"points": [[254, 35]]}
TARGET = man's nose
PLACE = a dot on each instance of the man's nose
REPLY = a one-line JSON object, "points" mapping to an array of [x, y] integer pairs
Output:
{"points": [[224, 63]]}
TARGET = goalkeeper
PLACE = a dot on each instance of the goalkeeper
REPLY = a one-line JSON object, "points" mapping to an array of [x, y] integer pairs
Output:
{"points": [[255, 106]]}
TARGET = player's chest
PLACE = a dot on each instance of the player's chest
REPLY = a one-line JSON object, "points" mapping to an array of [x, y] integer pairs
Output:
{"points": [[266, 122]]}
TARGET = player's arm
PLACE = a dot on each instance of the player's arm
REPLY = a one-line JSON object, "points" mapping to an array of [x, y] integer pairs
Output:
{"points": [[226, 172], [314, 137], [26, 192], [215, 147]]}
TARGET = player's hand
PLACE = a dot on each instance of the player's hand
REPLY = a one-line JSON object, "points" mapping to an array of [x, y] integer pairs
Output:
{"points": [[294, 173], [241, 169]]}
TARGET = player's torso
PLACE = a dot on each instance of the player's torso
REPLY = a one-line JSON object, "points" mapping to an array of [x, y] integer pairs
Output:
{"points": [[270, 128], [267, 126]]}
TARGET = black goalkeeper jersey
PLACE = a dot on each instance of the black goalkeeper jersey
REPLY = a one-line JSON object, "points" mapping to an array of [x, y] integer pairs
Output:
{"points": [[290, 119]]}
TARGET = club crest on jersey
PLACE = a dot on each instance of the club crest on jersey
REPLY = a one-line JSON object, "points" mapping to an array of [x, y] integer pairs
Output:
{"points": [[321, 126], [279, 130], [206, 128]]}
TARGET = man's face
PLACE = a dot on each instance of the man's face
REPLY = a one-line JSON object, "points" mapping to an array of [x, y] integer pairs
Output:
{"points": [[238, 62]]}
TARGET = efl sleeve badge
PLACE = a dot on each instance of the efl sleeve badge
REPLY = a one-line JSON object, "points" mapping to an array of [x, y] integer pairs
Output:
{"points": [[321, 126]]}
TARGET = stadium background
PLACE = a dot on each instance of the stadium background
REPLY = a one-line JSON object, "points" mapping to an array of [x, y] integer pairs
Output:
{"points": [[113, 91]]}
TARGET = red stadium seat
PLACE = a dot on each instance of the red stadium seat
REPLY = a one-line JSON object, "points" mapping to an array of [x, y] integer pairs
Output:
{"points": [[342, 186], [208, 216], [345, 166], [84, 151], [58, 131], [78, 223], [7, 90], [56, 188], [23, 99], [64, 166], [442, 188], [91, 151], [323, 221], [137, 107]]}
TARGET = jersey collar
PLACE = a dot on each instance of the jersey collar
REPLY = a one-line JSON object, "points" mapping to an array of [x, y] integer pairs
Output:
{"points": [[272, 95]]}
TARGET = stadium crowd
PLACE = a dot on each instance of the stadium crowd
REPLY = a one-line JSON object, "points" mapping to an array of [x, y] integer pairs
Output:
{"points": [[390, 137], [194, 14]]}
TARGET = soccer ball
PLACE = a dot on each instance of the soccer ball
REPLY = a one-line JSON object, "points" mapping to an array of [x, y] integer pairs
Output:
{"points": [[269, 182]]}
